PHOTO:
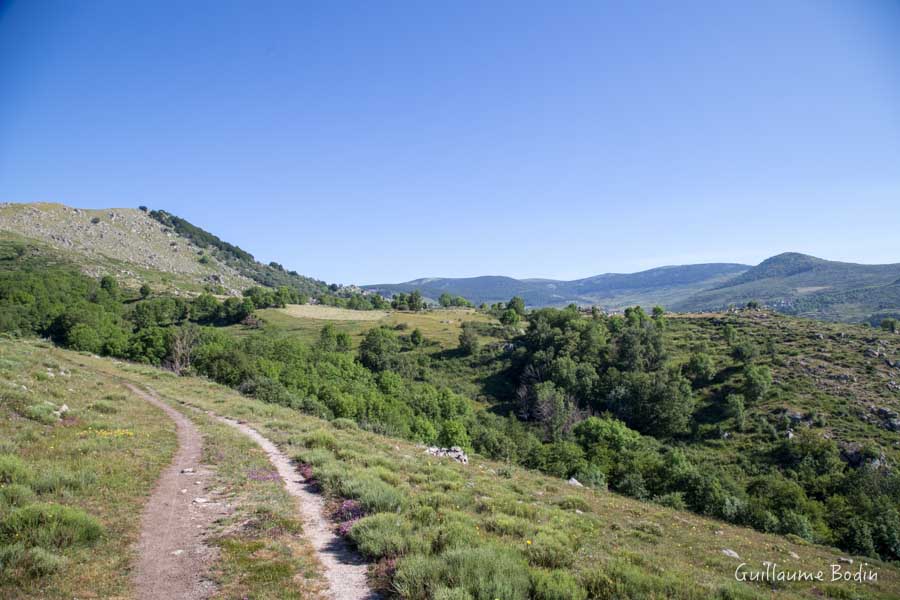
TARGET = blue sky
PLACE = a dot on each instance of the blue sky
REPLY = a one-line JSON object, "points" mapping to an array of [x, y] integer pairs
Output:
{"points": [[381, 141]]}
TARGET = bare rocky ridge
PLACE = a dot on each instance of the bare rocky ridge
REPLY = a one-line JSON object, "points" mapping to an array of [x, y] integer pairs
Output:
{"points": [[126, 235]]}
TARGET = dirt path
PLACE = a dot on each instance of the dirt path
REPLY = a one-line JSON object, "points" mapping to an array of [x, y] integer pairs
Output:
{"points": [[173, 560], [345, 570]]}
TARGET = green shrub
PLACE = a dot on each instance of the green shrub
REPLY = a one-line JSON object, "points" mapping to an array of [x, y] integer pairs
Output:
{"points": [[57, 479], [104, 408], [445, 593], [555, 585], [51, 526], [16, 494], [14, 470], [345, 424], [418, 577], [375, 495], [508, 525], [320, 439], [574, 503], [317, 457], [386, 535], [487, 573], [551, 550], [42, 413], [456, 530]]}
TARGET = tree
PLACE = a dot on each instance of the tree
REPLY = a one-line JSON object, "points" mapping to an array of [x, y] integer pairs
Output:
{"points": [[109, 284], [379, 349], [700, 368], [729, 333], [734, 404], [445, 300], [757, 380], [892, 325], [327, 338], [145, 291], [468, 340], [453, 433], [416, 338], [184, 340], [745, 351], [517, 304], [509, 317], [415, 301], [753, 305]]}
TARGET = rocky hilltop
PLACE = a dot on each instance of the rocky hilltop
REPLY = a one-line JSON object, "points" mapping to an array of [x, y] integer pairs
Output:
{"points": [[124, 241]]}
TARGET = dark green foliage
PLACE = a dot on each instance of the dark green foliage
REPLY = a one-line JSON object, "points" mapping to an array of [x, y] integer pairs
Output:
{"points": [[272, 275], [447, 300], [468, 340], [412, 301], [50, 526]]}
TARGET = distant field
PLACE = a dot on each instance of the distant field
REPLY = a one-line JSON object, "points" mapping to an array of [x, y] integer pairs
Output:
{"points": [[331, 313], [306, 321]]}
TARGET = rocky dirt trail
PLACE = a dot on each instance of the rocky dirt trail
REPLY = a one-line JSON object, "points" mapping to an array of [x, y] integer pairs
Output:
{"points": [[345, 569], [173, 559]]}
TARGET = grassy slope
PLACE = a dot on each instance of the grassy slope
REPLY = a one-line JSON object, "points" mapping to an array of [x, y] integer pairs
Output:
{"points": [[104, 458], [637, 545]]}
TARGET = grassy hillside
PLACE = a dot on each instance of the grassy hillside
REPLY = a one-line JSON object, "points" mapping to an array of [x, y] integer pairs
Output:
{"points": [[79, 454], [492, 529], [124, 242]]}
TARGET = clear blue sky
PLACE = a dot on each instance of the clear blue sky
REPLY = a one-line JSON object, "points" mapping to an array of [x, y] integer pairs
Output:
{"points": [[380, 141]]}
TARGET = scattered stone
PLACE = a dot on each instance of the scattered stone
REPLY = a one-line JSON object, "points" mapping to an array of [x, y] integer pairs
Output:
{"points": [[794, 555], [188, 471], [844, 559], [454, 452], [177, 552], [200, 500], [574, 482], [730, 553]]}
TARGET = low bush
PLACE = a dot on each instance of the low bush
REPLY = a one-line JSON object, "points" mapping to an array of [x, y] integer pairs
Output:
{"points": [[58, 479], [551, 550], [374, 494], [14, 470], [51, 526], [345, 424], [555, 585], [320, 439], [386, 535], [16, 494]]}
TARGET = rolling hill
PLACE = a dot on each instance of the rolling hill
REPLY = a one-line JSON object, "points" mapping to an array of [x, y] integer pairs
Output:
{"points": [[791, 283], [138, 246], [663, 285], [804, 285]]}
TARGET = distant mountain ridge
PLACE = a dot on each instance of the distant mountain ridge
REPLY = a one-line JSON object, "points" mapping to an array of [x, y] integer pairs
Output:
{"points": [[661, 285], [791, 282]]}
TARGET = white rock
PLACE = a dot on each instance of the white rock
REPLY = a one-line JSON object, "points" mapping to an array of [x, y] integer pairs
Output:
{"points": [[575, 482], [730, 553], [200, 500]]}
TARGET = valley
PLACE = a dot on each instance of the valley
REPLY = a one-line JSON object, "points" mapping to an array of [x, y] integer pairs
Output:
{"points": [[639, 454]]}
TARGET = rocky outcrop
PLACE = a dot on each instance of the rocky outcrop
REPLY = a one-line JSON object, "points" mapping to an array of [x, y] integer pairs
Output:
{"points": [[454, 452]]}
